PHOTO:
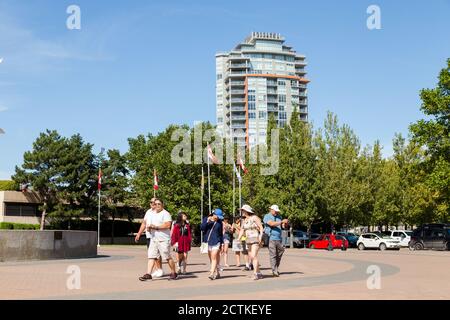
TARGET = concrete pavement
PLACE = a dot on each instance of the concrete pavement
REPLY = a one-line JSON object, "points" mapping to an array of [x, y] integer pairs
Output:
{"points": [[305, 274]]}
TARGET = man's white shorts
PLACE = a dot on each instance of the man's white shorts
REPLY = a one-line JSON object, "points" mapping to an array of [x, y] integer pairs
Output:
{"points": [[159, 248]]}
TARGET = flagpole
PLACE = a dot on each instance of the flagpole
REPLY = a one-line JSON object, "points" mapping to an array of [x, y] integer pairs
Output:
{"points": [[234, 191], [209, 190], [201, 203], [240, 192], [98, 223]]}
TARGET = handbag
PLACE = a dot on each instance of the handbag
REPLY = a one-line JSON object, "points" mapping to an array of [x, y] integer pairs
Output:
{"points": [[236, 246], [204, 246]]}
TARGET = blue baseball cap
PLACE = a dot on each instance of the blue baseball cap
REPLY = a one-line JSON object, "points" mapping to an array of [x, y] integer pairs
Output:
{"points": [[218, 212]]}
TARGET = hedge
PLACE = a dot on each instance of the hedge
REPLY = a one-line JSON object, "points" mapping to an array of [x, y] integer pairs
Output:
{"points": [[18, 226], [8, 185]]}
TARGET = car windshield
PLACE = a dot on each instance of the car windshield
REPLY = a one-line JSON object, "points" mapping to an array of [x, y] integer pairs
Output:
{"points": [[381, 235], [409, 233]]}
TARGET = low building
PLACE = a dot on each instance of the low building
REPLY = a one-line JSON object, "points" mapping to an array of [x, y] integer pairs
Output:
{"points": [[20, 207]]}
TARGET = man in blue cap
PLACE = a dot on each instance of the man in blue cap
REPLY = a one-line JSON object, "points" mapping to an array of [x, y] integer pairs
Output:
{"points": [[213, 229]]}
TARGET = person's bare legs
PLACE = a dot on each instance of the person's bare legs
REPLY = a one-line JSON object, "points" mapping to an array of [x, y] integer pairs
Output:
{"points": [[185, 257], [238, 258], [171, 265], [150, 265], [180, 260], [225, 254], [253, 257], [215, 260]]}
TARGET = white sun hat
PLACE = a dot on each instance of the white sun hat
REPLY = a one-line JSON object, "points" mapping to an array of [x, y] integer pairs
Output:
{"points": [[275, 208], [247, 208]]}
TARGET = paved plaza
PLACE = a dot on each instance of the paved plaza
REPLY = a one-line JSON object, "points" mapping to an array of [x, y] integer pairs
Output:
{"points": [[305, 274]]}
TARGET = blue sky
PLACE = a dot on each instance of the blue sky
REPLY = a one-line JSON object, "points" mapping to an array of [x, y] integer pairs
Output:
{"points": [[137, 66]]}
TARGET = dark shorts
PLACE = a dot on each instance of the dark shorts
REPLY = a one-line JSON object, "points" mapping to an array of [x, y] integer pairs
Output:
{"points": [[148, 242]]}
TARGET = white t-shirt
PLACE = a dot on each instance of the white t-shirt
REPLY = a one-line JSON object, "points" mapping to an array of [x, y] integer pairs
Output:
{"points": [[147, 222], [158, 219]]}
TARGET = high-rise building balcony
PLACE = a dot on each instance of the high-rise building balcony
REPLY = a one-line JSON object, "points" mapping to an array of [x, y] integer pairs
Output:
{"points": [[271, 91], [237, 100], [302, 86], [302, 94], [303, 102], [300, 71], [236, 83], [238, 118], [237, 73], [272, 84], [238, 108], [271, 100], [238, 92], [272, 108], [238, 66], [238, 126]]}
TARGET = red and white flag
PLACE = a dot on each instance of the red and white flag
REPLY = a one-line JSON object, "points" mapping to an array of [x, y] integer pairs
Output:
{"points": [[241, 164], [100, 179], [211, 156], [155, 180]]}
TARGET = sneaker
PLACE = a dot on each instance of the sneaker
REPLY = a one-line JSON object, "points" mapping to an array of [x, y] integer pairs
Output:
{"points": [[173, 276], [217, 276], [158, 273], [246, 269], [275, 274], [258, 276], [145, 277], [211, 277]]}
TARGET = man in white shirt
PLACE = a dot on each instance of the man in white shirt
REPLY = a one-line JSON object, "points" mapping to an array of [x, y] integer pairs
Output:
{"points": [[158, 272], [159, 228]]}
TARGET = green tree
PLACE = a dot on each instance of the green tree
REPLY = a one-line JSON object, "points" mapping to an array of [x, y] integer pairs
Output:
{"points": [[434, 134], [42, 168]]}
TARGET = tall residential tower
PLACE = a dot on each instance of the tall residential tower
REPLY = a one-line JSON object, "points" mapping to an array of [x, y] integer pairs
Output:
{"points": [[260, 77]]}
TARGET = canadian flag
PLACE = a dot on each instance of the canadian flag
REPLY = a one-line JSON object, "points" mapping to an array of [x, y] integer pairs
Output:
{"points": [[100, 179], [241, 164], [211, 156], [155, 180]]}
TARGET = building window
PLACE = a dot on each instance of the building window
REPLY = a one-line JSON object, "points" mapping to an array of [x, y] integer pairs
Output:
{"points": [[281, 107], [282, 116], [251, 106], [281, 83], [219, 119], [262, 115], [21, 210], [281, 98], [251, 98], [252, 115]]}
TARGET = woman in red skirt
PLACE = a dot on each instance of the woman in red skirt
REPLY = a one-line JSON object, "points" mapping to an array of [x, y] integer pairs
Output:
{"points": [[181, 240]]}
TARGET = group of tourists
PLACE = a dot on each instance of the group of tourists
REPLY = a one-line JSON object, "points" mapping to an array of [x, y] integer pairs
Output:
{"points": [[245, 234]]}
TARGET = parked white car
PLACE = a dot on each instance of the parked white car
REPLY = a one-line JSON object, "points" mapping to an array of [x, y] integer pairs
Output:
{"points": [[372, 241], [404, 236]]}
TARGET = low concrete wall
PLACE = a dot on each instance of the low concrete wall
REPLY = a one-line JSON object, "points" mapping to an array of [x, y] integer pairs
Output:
{"points": [[18, 245]]}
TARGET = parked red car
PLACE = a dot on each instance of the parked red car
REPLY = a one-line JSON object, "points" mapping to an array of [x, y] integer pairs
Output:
{"points": [[330, 242]]}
